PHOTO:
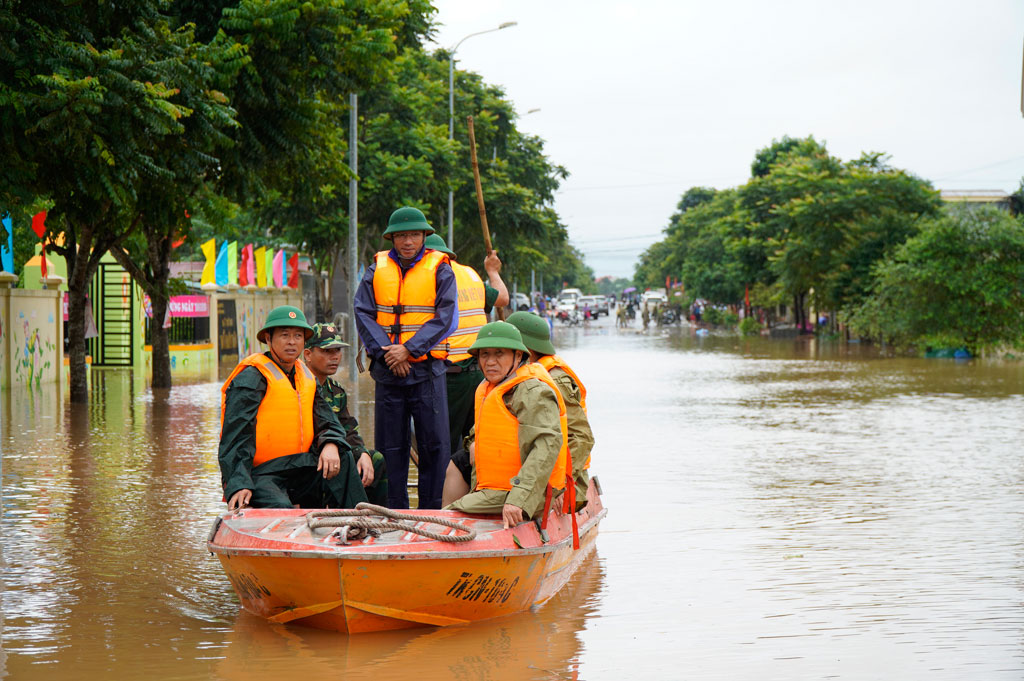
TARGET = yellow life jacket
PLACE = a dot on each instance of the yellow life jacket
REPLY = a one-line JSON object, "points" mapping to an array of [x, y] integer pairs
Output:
{"points": [[284, 422], [471, 312], [549, 362], [497, 433], [405, 304]]}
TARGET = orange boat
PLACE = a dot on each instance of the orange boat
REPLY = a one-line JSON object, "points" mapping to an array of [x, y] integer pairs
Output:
{"points": [[286, 568]]}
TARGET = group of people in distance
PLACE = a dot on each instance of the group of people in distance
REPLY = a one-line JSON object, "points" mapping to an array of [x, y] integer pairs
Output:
{"points": [[500, 419]]}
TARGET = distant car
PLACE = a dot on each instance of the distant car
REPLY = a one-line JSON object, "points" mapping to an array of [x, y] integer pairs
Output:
{"points": [[652, 298], [522, 302], [598, 304], [566, 304]]}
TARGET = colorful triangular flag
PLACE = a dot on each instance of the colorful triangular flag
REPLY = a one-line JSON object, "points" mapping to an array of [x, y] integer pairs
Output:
{"points": [[260, 256], [210, 251], [293, 271], [221, 266], [233, 263], [7, 253], [279, 269], [244, 264]]}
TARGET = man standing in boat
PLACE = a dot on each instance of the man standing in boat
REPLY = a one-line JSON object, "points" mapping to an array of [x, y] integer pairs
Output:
{"points": [[537, 339], [404, 307], [280, 443], [322, 355], [520, 442]]}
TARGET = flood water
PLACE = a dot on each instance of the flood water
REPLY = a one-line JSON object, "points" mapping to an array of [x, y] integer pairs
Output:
{"points": [[778, 509]]}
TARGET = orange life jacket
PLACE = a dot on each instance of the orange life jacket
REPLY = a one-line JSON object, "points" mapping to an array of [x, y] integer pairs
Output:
{"points": [[405, 304], [497, 433], [284, 422], [549, 362], [471, 312]]}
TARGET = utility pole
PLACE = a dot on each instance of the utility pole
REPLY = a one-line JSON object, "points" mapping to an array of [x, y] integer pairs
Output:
{"points": [[353, 241]]}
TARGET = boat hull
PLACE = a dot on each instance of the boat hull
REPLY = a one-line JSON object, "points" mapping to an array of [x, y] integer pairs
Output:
{"points": [[286, 573]]}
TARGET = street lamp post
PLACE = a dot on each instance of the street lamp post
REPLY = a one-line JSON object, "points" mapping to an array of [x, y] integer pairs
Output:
{"points": [[451, 117]]}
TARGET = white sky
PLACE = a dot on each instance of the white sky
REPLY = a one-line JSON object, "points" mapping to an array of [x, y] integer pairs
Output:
{"points": [[642, 100]]}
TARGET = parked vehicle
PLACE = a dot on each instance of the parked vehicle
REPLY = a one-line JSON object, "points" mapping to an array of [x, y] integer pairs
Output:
{"points": [[654, 297], [520, 302], [598, 304]]}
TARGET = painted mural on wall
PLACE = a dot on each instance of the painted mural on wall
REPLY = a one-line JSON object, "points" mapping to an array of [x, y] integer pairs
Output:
{"points": [[33, 348], [246, 332]]}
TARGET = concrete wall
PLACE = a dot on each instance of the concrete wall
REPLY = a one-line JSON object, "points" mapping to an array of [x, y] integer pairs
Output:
{"points": [[31, 337], [251, 309]]}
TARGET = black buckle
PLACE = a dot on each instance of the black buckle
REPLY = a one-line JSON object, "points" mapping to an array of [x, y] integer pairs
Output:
{"points": [[397, 309], [396, 329]]}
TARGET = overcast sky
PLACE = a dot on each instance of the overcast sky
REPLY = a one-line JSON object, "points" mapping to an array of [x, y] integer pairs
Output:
{"points": [[641, 100]]}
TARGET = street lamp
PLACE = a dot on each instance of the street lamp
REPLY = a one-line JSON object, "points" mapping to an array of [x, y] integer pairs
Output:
{"points": [[451, 117]]}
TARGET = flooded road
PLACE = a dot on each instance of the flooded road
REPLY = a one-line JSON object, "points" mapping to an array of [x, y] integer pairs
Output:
{"points": [[778, 509]]}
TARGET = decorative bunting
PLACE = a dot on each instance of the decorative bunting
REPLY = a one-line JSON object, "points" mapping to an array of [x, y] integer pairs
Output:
{"points": [[260, 256], [7, 253], [39, 227], [233, 263], [221, 265], [245, 272], [269, 265], [279, 269], [293, 271], [210, 251], [39, 224]]}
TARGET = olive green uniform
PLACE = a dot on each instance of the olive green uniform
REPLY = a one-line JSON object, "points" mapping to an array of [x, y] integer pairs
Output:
{"points": [[335, 396], [286, 480], [540, 438], [581, 437]]}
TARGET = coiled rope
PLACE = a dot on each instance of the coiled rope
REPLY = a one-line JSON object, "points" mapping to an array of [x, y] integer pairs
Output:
{"points": [[356, 523]]}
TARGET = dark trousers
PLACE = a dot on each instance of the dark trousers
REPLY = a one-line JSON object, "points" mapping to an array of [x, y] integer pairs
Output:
{"points": [[461, 388], [426, 402], [294, 481]]}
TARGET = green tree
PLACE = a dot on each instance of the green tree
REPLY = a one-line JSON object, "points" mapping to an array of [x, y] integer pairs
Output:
{"points": [[822, 222], [85, 101], [958, 283]]}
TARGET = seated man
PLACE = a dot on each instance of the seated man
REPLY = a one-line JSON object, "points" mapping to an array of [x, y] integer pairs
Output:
{"points": [[520, 442], [280, 444], [322, 355], [537, 338]]}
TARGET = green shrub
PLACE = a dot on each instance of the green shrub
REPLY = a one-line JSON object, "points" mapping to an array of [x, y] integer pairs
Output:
{"points": [[750, 327]]}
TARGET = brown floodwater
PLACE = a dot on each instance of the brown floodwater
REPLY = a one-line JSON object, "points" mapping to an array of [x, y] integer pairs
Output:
{"points": [[778, 509]]}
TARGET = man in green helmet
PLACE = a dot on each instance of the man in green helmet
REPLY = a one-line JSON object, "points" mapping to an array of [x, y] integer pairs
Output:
{"points": [[322, 355], [537, 338], [280, 443], [520, 444], [406, 304]]}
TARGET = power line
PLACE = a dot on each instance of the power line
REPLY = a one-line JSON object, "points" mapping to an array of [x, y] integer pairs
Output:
{"points": [[619, 238]]}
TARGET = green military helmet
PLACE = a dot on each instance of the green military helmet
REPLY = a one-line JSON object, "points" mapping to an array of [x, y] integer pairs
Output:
{"points": [[534, 330], [435, 242], [284, 315], [325, 336], [407, 219], [497, 335]]}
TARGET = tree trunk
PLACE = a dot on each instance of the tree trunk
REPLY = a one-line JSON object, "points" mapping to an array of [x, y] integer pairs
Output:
{"points": [[76, 256], [161, 345], [79, 387]]}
